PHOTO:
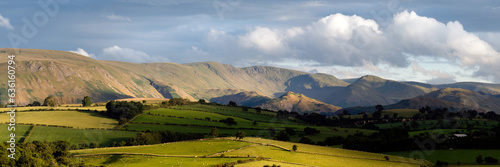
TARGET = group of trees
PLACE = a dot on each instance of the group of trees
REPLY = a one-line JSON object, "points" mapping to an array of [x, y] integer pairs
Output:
{"points": [[157, 137], [37, 153], [177, 102], [53, 101], [229, 121], [487, 160], [123, 110]]}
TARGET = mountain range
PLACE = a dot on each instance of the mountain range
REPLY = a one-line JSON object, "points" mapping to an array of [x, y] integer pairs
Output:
{"points": [[70, 77]]}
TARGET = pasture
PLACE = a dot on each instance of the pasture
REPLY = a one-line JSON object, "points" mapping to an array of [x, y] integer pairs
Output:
{"points": [[75, 136], [57, 108], [75, 119], [220, 151], [21, 132], [464, 156]]}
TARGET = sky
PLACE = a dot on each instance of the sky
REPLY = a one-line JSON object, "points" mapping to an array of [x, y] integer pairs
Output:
{"points": [[406, 40]]}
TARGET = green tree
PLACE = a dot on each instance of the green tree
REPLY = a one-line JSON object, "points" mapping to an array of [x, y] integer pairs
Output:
{"points": [[290, 131], [36, 103], [240, 135], [86, 101], [232, 104], [283, 136], [214, 132], [202, 101], [229, 121], [50, 101], [258, 110], [306, 140], [295, 147], [479, 159]]}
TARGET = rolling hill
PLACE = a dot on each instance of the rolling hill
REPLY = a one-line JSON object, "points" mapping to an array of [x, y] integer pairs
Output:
{"points": [[70, 77], [295, 102], [373, 90]]}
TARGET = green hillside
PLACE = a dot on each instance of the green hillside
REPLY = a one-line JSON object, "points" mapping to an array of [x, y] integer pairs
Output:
{"points": [[295, 102], [372, 90], [220, 151]]}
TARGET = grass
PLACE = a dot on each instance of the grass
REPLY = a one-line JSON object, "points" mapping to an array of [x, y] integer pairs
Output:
{"points": [[465, 156], [177, 121], [75, 136], [76, 119], [143, 160], [312, 155], [326, 150], [438, 131], [195, 129], [270, 163], [193, 114], [187, 148], [434, 124], [62, 107], [237, 112], [241, 123], [310, 159], [329, 132], [406, 113], [21, 132]]}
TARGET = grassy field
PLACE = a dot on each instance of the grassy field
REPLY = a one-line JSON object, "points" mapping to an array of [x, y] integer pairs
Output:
{"points": [[173, 120], [465, 157], [327, 150], [62, 107], [270, 163], [194, 129], [75, 136], [187, 148], [237, 112], [249, 147], [193, 114], [76, 119], [143, 161], [407, 113], [434, 124], [329, 132], [21, 131]]}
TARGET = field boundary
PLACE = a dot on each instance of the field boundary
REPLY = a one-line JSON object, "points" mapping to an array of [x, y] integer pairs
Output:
{"points": [[219, 153], [281, 147], [128, 153], [121, 126], [29, 134], [285, 162]]}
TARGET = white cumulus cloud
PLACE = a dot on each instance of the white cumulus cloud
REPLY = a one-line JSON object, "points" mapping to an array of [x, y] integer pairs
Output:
{"points": [[129, 55], [5, 22], [116, 17], [82, 52], [353, 41]]}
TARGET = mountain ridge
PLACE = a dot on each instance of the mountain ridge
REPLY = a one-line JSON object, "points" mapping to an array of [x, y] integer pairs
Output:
{"points": [[70, 76]]}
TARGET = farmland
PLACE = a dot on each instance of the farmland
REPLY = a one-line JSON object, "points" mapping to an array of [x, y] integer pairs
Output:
{"points": [[199, 153], [93, 127], [465, 157], [75, 119], [75, 136]]}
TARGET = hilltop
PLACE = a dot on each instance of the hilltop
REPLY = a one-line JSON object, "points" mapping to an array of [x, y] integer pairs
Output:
{"points": [[295, 102], [69, 77]]}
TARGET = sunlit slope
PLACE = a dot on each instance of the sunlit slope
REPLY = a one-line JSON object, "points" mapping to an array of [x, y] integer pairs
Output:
{"points": [[227, 148]]}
